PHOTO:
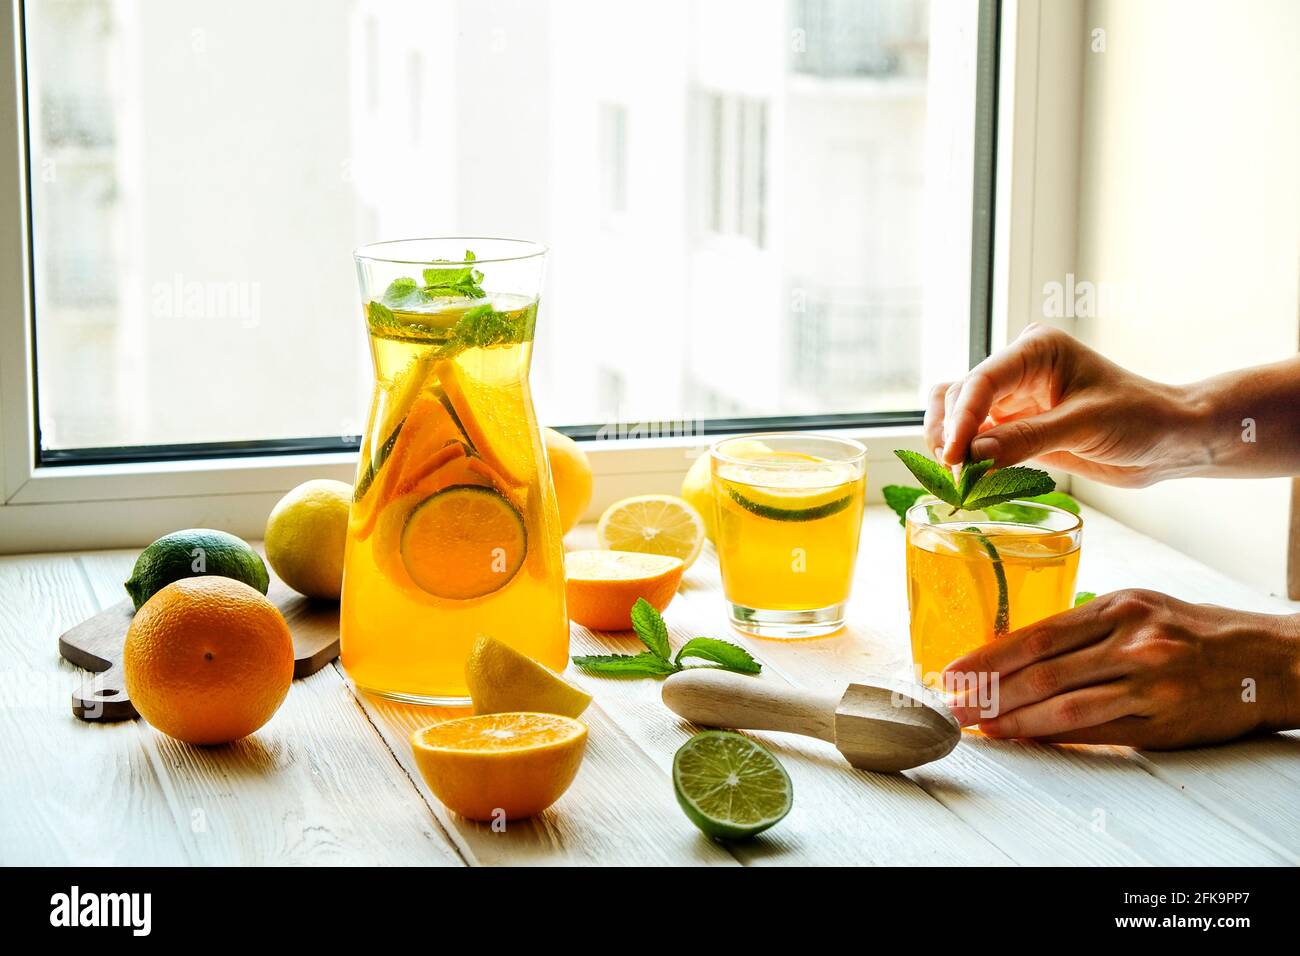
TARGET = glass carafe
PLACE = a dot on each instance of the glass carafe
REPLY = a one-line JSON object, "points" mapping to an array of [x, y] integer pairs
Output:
{"points": [[454, 530]]}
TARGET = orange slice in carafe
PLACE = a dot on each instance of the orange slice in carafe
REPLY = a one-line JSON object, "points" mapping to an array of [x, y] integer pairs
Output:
{"points": [[489, 403], [394, 402], [426, 439], [463, 542], [458, 468]]}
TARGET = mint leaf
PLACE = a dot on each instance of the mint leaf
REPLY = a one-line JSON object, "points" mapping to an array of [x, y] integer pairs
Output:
{"points": [[1083, 597], [650, 627], [1006, 484], [453, 278], [482, 327], [381, 319], [401, 291], [971, 473], [978, 488], [1023, 514], [1057, 499], [627, 665], [380, 315], [900, 498], [723, 653], [933, 477]]}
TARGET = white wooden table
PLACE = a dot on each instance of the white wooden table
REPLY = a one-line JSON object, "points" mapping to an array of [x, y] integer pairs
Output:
{"points": [[330, 779]]}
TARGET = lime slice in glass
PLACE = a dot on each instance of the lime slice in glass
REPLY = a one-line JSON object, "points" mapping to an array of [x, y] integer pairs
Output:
{"points": [[809, 489], [729, 786]]}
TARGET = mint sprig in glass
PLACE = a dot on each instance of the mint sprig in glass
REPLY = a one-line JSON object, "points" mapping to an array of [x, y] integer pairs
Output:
{"points": [[987, 552]]}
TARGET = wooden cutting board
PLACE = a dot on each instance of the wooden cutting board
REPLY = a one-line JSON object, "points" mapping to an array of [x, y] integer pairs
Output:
{"points": [[96, 645]]}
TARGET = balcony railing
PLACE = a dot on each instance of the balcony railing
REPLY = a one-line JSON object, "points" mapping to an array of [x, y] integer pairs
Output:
{"points": [[848, 38], [845, 341]]}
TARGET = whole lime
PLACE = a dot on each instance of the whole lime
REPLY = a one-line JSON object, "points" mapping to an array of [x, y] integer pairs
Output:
{"points": [[306, 535], [192, 553]]}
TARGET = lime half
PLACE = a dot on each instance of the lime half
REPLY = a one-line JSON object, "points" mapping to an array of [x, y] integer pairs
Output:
{"points": [[729, 786]]}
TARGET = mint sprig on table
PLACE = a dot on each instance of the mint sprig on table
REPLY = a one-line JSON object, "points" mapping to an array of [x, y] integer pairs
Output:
{"points": [[657, 659]]}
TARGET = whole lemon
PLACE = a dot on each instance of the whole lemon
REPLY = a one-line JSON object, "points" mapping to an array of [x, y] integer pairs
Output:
{"points": [[571, 474], [697, 486], [697, 490], [306, 535]]}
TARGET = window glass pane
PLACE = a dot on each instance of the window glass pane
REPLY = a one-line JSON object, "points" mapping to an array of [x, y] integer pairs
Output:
{"points": [[735, 192]]}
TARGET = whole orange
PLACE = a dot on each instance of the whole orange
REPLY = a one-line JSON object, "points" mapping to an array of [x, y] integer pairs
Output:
{"points": [[571, 475], [208, 660]]}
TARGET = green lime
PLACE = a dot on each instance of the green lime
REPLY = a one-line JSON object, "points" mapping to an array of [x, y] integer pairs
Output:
{"points": [[192, 553], [729, 786], [774, 513]]}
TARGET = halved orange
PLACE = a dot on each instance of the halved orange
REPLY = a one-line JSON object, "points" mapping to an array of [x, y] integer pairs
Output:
{"points": [[509, 765], [601, 586], [494, 416], [463, 542]]}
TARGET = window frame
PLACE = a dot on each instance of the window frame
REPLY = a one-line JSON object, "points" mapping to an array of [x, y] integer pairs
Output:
{"points": [[114, 498]]}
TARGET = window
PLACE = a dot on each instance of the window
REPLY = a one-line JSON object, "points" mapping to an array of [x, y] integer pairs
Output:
{"points": [[734, 155], [760, 248], [613, 159]]}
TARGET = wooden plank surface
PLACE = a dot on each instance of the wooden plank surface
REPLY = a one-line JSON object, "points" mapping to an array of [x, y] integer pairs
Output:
{"points": [[316, 785], [1250, 784], [619, 811], [841, 816], [331, 778], [72, 793]]}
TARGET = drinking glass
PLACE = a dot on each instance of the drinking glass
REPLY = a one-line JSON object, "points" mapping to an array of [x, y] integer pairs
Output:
{"points": [[789, 515], [973, 577]]}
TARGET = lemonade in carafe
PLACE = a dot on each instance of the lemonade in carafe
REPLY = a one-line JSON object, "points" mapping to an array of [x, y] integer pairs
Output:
{"points": [[454, 530]]}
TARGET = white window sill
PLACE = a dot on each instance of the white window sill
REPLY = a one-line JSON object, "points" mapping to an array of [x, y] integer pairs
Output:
{"points": [[79, 507]]}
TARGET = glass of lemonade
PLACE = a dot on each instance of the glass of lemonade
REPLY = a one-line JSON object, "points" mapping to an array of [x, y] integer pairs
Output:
{"points": [[789, 515], [454, 530], [973, 577]]}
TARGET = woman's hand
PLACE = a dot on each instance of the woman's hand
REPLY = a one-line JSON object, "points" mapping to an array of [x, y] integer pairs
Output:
{"points": [[1136, 668], [1048, 396]]}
